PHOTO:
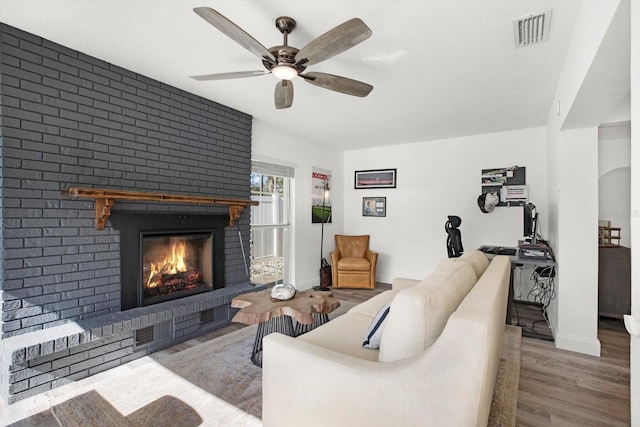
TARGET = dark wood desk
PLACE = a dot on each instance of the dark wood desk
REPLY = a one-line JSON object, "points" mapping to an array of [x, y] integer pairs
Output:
{"points": [[518, 262]]}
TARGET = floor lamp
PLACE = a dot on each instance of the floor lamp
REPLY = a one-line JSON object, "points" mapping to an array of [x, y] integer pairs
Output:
{"points": [[325, 196]]}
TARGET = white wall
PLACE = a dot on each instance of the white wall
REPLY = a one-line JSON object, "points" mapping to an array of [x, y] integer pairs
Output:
{"points": [[635, 209], [437, 179], [577, 257], [553, 199], [279, 147], [621, 113], [573, 162]]}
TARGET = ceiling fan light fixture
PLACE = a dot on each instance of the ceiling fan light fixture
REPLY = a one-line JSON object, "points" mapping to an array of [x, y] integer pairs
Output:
{"points": [[286, 62], [284, 72]]}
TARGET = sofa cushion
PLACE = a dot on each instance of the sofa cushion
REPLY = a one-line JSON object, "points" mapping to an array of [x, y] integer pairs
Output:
{"points": [[403, 283], [354, 264], [374, 333], [450, 267], [418, 315], [372, 306], [476, 259], [343, 335]]}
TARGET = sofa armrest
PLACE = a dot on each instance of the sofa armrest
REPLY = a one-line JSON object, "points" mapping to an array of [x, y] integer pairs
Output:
{"points": [[403, 283], [328, 388], [306, 384]]}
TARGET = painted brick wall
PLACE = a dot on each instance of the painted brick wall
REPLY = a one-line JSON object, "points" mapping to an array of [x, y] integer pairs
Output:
{"points": [[68, 119]]}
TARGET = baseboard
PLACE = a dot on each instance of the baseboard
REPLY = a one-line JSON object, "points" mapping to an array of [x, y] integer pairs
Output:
{"points": [[572, 342], [578, 344], [307, 284]]}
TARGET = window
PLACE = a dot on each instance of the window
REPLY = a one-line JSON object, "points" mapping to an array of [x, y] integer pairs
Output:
{"points": [[270, 185]]}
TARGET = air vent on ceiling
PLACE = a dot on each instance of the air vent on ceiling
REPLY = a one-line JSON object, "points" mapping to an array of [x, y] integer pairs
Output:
{"points": [[532, 29]]}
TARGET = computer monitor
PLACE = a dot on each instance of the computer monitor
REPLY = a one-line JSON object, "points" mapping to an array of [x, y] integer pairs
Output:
{"points": [[530, 222]]}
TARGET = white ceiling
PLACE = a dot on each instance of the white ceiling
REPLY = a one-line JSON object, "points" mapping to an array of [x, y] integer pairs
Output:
{"points": [[439, 69]]}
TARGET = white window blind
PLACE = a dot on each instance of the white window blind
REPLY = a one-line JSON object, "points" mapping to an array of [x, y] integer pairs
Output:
{"points": [[271, 169]]}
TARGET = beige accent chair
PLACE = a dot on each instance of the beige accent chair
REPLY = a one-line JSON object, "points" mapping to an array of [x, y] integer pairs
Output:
{"points": [[353, 265]]}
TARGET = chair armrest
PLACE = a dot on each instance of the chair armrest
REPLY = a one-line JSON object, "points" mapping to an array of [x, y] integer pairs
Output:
{"points": [[335, 256], [369, 255], [373, 261], [373, 258], [403, 283]]}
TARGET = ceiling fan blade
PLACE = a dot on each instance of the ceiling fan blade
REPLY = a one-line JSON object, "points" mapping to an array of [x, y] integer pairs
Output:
{"points": [[284, 94], [235, 33], [338, 84], [333, 42], [233, 75]]}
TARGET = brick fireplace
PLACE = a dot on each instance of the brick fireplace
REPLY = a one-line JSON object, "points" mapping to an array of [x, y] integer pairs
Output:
{"points": [[68, 119]]}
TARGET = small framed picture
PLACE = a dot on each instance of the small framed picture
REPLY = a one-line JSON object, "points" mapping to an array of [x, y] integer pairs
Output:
{"points": [[377, 178], [374, 206]]}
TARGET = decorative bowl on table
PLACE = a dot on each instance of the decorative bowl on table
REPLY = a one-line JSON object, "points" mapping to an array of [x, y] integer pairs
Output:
{"points": [[283, 291]]}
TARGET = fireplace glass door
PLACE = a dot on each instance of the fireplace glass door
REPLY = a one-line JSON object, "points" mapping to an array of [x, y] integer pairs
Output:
{"points": [[175, 265]]}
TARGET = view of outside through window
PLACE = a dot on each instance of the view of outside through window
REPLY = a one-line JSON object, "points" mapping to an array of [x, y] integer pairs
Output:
{"points": [[269, 228]]}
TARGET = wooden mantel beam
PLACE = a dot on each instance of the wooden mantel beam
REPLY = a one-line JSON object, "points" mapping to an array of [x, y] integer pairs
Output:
{"points": [[105, 198]]}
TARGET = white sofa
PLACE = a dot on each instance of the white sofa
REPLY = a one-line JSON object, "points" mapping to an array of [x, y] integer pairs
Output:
{"points": [[436, 365]]}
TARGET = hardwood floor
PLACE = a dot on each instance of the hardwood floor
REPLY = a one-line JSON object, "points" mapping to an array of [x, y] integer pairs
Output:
{"points": [[532, 321], [563, 388], [557, 387]]}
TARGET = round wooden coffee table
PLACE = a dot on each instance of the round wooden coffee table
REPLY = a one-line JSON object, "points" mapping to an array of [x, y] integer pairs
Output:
{"points": [[310, 309]]}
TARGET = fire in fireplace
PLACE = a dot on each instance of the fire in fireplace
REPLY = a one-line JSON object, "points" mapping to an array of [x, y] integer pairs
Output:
{"points": [[174, 266], [169, 256]]}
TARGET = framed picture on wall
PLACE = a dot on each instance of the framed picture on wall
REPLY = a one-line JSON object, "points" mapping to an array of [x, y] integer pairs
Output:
{"points": [[321, 196], [378, 178], [374, 206]]}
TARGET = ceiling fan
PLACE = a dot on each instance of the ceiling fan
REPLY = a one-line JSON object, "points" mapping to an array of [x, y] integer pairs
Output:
{"points": [[286, 62]]}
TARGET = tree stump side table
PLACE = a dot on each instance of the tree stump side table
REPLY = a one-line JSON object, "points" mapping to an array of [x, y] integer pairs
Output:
{"points": [[310, 309]]}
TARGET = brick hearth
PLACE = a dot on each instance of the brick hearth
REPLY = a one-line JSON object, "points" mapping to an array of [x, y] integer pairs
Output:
{"points": [[66, 120]]}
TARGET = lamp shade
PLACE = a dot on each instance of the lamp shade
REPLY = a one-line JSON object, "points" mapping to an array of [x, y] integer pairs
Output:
{"points": [[284, 72]]}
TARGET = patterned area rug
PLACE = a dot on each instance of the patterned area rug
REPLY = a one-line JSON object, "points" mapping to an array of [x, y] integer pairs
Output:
{"points": [[210, 384], [215, 384], [505, 393], [222, 367]]}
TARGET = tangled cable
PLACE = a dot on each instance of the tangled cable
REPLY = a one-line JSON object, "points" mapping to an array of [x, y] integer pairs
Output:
{"points": [[544, 289]]}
